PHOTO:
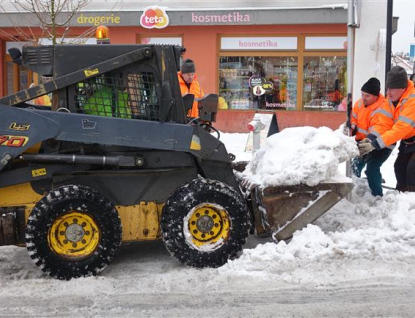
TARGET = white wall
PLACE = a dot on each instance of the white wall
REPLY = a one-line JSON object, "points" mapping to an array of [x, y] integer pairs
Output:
{"points": [[370, 45]]}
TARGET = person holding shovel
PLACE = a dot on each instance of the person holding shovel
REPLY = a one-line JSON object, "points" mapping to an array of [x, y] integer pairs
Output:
{"points": [[364, 116]]}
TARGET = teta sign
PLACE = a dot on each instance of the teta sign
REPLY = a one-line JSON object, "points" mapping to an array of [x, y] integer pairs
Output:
{"points": [[154, 17]]}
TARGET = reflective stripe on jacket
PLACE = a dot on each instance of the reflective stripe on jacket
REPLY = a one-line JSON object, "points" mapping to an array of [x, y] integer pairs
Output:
{"points": [[399, 119], [364, 118], [194, 89]]}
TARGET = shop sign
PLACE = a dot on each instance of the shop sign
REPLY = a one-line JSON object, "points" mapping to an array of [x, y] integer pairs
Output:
{"points": [[256, 81], [258, 43], [220, 18], [280, 105], [260, 85], [326, 43], [96, 19], [154, 17]]}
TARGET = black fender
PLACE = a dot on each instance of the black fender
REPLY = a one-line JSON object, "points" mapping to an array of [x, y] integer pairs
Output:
{"points": [[21, 129]]}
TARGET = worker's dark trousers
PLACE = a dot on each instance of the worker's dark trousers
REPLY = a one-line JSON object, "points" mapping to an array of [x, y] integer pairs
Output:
{"points": [[358, 163], [373, 161], [405, 168]]}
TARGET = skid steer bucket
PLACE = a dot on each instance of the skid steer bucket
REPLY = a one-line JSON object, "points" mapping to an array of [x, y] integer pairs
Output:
{"points": [[282, 210]]}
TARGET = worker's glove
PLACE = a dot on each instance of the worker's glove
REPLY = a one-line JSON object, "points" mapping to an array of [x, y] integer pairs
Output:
{"points": [[348, 131], [365, 146]]}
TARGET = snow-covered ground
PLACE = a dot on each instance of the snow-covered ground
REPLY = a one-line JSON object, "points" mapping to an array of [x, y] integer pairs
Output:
{"points": [[358, 260]]}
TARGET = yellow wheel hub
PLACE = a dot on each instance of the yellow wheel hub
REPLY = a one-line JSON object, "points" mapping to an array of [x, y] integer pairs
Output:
{"points": [[74, 235], [208, 224]]}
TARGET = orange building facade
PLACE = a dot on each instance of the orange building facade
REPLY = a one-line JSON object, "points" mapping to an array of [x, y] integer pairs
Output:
{"points": [[267, 61]]}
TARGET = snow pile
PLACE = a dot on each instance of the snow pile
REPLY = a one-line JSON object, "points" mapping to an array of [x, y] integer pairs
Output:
{"points": [[363, 230], [300, 155]]}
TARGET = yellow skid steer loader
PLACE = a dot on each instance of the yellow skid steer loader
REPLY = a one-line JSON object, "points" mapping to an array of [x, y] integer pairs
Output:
{"points": [[115, 159]]}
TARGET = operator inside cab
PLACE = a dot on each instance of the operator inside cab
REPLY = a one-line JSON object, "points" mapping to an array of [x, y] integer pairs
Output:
{"points": [[189, 85]]}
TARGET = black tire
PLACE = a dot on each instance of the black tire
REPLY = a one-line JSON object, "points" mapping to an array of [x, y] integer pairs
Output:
{"points": [[73, 231], [204, 223]]}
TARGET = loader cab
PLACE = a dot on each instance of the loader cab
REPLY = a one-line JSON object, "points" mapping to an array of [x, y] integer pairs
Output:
{"points": [[122, 81]]}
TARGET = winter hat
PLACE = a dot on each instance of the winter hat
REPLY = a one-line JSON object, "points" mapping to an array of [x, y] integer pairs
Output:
{"points": [[188, 66], [372, 86], [397, 78]]}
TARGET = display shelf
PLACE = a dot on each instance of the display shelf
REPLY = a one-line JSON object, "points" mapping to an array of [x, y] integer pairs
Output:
{"points": [[233, 89]]}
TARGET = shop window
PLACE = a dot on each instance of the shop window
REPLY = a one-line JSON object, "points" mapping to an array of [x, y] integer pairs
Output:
{"points": [[76, 40], [24, 78], [161, 40], [326, 43], [259, 82], [324, 82], [9, 78], [17, 77]]}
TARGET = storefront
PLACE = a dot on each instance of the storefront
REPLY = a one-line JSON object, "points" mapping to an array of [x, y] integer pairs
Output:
{"points": [[291, 61], [277, 74]]}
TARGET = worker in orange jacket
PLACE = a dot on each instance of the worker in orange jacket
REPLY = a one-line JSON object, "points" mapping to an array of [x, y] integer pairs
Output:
{"points": [[399, 115], [189, 85], [363, 119]]}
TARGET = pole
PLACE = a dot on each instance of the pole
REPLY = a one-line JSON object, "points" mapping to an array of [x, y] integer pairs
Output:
{"points": [[389, 16], [350, 57]]}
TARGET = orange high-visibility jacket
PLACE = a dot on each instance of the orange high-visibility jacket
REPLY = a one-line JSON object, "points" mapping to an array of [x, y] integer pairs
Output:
{"points": [[364, 118], [396, 123], [194, 89]]}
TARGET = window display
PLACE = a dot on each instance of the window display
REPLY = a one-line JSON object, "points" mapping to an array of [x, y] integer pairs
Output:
{"points": [[324, 82], [257, 82]]}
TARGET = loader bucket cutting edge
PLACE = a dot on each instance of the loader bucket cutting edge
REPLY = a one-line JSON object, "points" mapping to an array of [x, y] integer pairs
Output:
{"points": [[283, 210]]}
